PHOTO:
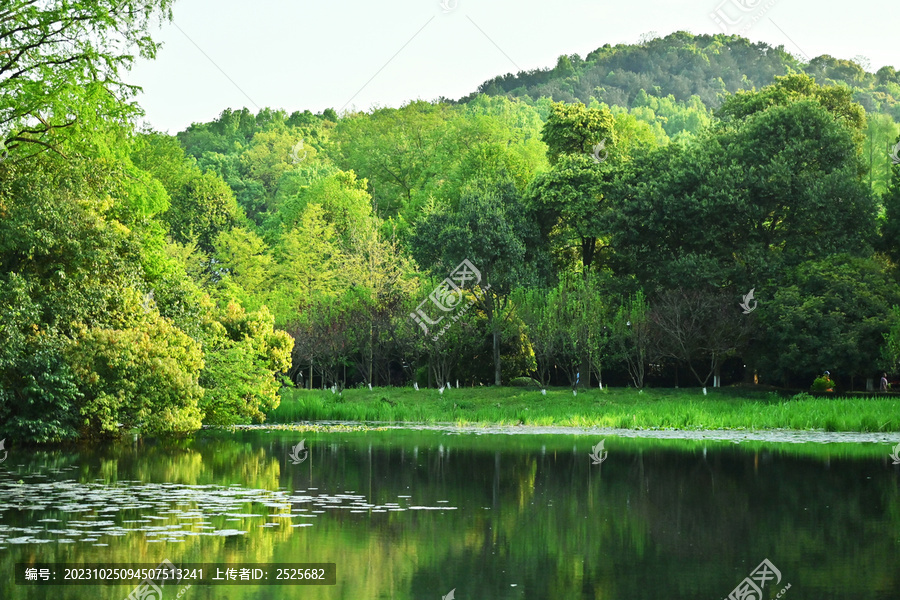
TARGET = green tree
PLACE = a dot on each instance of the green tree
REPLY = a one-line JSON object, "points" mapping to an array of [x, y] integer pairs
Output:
{"points": [[143, 375], [827, 314], [491, 229], [245, 355], [575, 129], [246, 266], [57, 54], [889, 242], [741, 204]]}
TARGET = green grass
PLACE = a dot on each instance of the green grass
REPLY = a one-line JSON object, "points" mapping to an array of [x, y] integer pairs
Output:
{"points": [[665, 408]]}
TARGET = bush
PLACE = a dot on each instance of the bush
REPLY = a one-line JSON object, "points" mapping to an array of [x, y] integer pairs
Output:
{"points": [[524, 382], [822, 384]]}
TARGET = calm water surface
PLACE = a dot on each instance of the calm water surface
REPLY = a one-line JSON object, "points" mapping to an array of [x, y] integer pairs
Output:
{"points": [[410, 514]]}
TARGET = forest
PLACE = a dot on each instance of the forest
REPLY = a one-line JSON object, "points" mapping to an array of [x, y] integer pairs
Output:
{"points": [[688, 210]]}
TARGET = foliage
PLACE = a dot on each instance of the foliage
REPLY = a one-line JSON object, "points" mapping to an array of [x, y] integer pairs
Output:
{"points": [[146, 280], [827, 314], [58, 54], [143, 375], [822, 384], [244, 357]]}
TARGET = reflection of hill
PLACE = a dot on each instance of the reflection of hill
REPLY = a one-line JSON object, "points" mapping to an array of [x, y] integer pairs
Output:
{"points": [[414, 514]]}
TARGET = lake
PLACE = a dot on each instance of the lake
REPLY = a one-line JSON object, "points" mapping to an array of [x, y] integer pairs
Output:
{"points": [[466, 513]]}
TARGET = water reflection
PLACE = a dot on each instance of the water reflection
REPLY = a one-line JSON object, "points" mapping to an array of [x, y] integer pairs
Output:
{"points": [[414, 514]]}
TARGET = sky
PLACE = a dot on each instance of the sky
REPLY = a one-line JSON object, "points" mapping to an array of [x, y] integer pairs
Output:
{"points": [[357, 55]]}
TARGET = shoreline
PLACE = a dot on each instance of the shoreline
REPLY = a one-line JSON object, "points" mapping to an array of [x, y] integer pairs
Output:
{"points": [[795, 436]]}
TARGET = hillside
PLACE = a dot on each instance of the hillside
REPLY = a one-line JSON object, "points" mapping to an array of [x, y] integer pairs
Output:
{"points": [[684, 65]]}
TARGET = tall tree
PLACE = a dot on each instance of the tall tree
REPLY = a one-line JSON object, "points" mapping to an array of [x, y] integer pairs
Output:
{"points": [[742, 203], [491, 229]]}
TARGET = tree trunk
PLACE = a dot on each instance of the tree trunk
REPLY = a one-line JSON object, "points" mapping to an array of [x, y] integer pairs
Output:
{"points": [[588, 245], [496, 354], [371, 350]]}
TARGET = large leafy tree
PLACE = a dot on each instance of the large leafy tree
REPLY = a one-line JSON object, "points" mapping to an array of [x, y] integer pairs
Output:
{"points": [[201, 205], [587, 148], [492, 229], [55, 53], [397, 150], [735, 208], [142, 374], [69, 271], [889, 243], [829, 314]]}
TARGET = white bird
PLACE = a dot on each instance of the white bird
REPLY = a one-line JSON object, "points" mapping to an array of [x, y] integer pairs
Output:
{"points": [[370, 387], [544, 392], [441, 390], [416, 385]]}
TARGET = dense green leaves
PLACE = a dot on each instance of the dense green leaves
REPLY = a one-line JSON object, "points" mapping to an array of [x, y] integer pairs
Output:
{"points": [[831, 314], [145, 280], [56, 54]]}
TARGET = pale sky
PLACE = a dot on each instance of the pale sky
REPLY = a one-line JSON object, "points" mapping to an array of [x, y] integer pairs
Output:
{"points": [[317, 54]]}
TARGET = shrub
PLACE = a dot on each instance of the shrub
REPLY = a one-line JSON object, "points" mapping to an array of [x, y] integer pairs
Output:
{"points": [[524, 382], [822, 384]]}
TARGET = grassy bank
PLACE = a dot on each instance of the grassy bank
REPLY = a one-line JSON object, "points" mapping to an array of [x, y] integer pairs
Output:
{"points": [[724, 408]]}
